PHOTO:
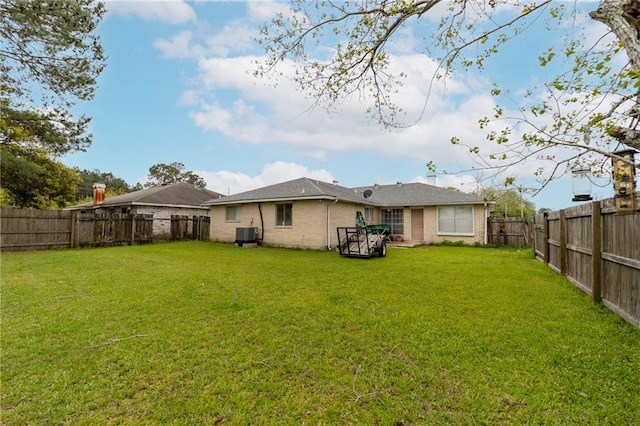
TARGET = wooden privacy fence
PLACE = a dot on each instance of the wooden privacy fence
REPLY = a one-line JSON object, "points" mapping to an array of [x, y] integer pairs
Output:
{"points": [[91, 229], [597, 250], [191, 228], [510, 231], [32, 229]]}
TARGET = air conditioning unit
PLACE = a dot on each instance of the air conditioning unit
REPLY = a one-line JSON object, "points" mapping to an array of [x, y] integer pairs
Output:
{"points": [[246, 235]]}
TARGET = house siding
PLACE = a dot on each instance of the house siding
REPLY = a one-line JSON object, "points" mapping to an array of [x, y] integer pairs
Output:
{"points": [[309, 227]]}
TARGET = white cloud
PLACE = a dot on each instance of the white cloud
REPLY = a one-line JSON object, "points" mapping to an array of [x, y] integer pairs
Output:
{"points": [[167, 11], [228, 101], [179, 46], [261, 11], [227, 182], [234, 37], [281, 115]]}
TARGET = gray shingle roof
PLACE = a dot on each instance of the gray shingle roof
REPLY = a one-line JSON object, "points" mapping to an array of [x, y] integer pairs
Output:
{"points": [[416, 194], [175, 194], [297, 189], [406, 194]]}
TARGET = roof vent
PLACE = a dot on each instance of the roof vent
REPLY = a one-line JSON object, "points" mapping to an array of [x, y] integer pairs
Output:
{"points": [[367, 193], [399, 183], [376, 185], [335, 182]]}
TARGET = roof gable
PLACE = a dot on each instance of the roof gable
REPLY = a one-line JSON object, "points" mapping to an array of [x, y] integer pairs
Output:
{"points": [[175, 194], [416, 194], [297, 189], [406, 194]]}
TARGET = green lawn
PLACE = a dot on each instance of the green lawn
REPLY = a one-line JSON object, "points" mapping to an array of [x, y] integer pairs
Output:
{"points": [[204, 333]]}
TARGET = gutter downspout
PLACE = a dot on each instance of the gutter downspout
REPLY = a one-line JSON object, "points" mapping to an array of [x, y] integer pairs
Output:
{"points": [[329, 223], [486, 218], [261, 222]]}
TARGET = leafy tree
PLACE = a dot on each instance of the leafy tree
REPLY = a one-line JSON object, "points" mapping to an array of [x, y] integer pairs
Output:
{"points": [[508, 202], [50, 58], [163, 174], [114, 185], [31, 179], [567, 128]]}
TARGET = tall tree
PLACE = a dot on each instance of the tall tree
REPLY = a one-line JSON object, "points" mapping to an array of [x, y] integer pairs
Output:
{"points": [[469, 32], [163, 174], [50, 58]]}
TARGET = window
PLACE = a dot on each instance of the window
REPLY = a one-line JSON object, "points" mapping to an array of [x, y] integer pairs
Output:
{"points": [[284, 214], [368, 214], [232, 213], [455, 220], [395, 219]]}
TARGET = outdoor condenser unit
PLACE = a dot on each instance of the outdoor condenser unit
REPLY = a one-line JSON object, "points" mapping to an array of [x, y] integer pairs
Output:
{"points": [[246, 235]]}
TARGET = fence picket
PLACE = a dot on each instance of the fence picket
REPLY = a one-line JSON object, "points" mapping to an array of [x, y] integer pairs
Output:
{"points": [[601, 255]]}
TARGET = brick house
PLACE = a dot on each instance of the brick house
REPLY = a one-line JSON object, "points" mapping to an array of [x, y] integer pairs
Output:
{"points": [[305, 213], [162, 202]]}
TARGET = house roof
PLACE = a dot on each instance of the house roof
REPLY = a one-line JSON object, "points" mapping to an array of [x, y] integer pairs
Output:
{"points": [[297, 189], [416, 194], [406, 194], [175, 194]]}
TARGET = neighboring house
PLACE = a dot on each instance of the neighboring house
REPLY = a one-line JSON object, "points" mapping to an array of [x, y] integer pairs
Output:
{"points": [[161, 201], [306, 212]]}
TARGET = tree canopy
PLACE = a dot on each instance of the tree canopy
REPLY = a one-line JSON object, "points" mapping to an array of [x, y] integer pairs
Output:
{"points": [[508, 202], [30, 178], [579, 117], [114, 185], [163, 174], [50, 58]]}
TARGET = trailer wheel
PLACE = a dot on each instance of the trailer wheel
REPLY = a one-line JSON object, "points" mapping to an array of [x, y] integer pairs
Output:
{"points": [[382, 249]]}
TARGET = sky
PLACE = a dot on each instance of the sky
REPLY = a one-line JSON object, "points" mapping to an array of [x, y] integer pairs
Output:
{"points": [[179, 87]]}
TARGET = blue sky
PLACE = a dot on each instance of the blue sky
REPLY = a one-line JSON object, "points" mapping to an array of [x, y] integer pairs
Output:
{"points": [[178, 88]]}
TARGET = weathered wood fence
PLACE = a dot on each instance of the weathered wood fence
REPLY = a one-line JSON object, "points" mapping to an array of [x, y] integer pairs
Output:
{"points": [[93, 230], [191, 228], [510, 231], [597, 250], [32, 229]]}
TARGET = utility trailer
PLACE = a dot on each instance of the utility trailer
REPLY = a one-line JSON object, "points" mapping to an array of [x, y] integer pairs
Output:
{"points": [[363, 240]]}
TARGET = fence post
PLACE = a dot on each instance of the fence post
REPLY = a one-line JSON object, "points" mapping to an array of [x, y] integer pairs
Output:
{"points": [[596, 252], [563, 243], [133, 228], [74, 229], [545, 231]]}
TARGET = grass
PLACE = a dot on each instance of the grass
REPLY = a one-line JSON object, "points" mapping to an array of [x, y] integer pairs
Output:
{"points": [[206, 333]]}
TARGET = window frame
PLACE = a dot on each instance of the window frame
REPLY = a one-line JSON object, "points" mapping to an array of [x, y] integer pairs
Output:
{"points": [[281, 210], [457, 220], [394, 217], [368, 215], [237, 216]]}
